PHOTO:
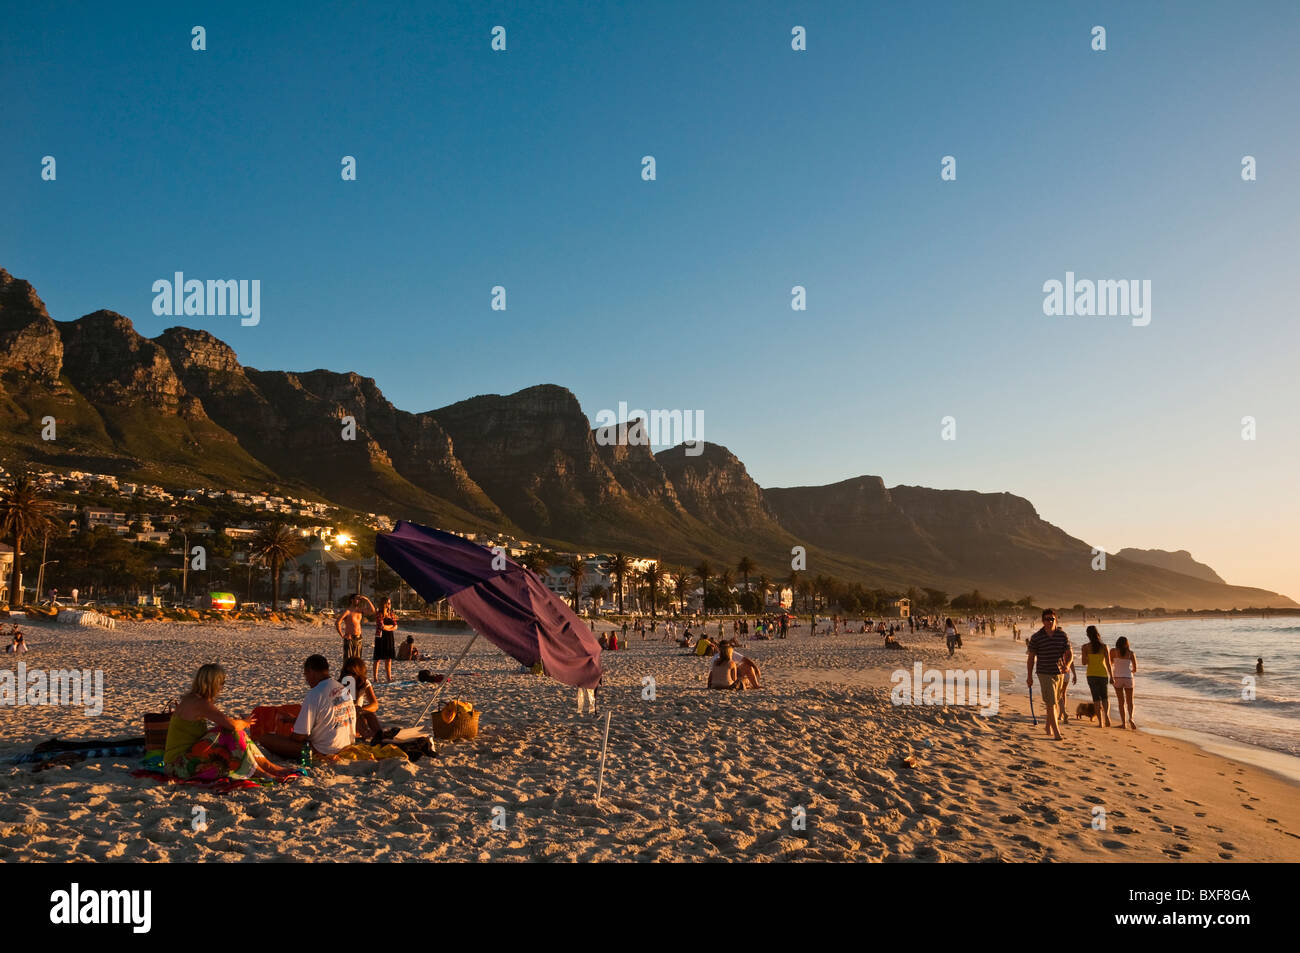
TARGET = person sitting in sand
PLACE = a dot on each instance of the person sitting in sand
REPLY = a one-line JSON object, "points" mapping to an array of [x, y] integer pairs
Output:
{"points": [[746, 668], [704, 647], [18, 646], [192, 752], [685, 641], [1124, 665], [365, 699], [407, 652], [327, 722], [723, 672], [348, 625]]}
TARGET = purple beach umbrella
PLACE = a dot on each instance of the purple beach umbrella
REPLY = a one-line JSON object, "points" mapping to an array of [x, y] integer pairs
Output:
{"points": [[509, 607]]}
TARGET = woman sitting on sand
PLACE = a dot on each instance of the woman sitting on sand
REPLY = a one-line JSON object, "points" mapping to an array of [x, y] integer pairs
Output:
{"points": [[723, 673], [195, 753], [364, 697], [746, 668], [1124, 665], [18, 646]]}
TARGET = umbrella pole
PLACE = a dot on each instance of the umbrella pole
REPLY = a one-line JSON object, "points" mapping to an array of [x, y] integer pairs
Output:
{"points": [[438, 691], [604, 747]]}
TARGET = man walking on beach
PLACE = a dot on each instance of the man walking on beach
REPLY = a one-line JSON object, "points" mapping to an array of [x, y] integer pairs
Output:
{"points": [[1050, 649]]}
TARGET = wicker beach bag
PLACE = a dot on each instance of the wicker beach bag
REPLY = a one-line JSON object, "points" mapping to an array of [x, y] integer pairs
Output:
{"points": [[455, 721]]}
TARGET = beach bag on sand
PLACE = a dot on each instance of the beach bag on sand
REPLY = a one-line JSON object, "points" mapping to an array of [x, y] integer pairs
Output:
{"points": [[155, 730], [273, 720], [455, 721]]}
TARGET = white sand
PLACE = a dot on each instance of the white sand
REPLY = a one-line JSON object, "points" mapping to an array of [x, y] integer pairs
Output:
{"points": [[692, 774]]}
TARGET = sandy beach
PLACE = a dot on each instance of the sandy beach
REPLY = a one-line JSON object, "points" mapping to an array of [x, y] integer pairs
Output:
{"points": [[691, 774]]}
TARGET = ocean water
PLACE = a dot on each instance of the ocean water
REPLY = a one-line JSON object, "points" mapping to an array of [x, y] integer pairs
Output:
{"points": [[1191, 677]]}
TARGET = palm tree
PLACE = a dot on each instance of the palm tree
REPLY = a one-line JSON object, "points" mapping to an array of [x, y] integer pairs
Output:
{"points": [[764, 587], [274, 546], [654, 580], [537, 560], [597, 594], [680, 585], [23, 512], [618, 567], [704, 572], [725, 582], [745, 567], [577, 569]]}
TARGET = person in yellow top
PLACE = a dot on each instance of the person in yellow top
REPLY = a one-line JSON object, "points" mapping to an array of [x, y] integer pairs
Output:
{"points": [[193, 752], [1096, 659]]}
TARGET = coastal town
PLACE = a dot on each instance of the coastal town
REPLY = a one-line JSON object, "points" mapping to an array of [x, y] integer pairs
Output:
{"points": [[161, 526]]}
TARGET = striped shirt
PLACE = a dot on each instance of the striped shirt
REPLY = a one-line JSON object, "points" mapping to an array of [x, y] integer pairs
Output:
{"points": [[1052, 651]]}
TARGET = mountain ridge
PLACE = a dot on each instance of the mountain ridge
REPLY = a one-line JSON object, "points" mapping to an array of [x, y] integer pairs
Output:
{"points": [[180, 407]]}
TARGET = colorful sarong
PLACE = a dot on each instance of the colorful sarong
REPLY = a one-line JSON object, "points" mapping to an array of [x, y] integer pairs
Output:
{"points": [[217, 755]]}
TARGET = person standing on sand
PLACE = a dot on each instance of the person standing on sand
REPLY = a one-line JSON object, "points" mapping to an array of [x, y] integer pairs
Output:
{"points": [[1259, 666], [1048, 655], [1124, 665], [385, 636], [1096, 659], [950, 636], [348, 626]]}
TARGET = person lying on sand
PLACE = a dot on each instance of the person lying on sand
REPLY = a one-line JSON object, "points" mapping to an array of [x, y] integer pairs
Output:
{"points": [[328, 721], [193, 752], [723, 673]]}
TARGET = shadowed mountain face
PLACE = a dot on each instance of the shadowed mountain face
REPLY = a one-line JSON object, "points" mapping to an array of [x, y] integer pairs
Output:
{"points": [[181, 410]]}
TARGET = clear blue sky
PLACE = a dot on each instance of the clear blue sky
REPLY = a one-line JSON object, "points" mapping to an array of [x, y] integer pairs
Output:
{"points": [[775, 168]]}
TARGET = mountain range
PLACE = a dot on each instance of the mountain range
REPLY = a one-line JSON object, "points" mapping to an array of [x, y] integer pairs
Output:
{"points": [[180, 410]]}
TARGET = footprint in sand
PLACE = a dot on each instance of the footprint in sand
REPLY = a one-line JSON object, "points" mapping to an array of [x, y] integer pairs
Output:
{"points": [[1114, 844], [1121, 829], [1011, 818]]}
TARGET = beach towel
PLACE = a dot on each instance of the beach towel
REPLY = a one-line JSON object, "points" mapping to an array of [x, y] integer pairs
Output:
{"points": [[79, 750], [364, 752]]}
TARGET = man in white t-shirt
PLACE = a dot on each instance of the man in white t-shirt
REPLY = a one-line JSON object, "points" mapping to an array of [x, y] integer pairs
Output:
{"points": [[327, 721]]}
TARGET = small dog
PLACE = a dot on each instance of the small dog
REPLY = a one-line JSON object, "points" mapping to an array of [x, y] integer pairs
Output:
{"points": [[1087, 710]]}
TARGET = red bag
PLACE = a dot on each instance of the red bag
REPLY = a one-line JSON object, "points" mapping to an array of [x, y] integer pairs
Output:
{"points": [[273, 720]]}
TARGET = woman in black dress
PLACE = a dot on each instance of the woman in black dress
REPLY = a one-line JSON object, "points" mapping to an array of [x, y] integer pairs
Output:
{"points": [[385, 647]]}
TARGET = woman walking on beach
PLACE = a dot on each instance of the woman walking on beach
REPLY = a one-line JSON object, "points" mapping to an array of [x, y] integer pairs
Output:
{"points": [[385, 635], [951, 636], [1096, 659], [1124, 666], [194, 753]]}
